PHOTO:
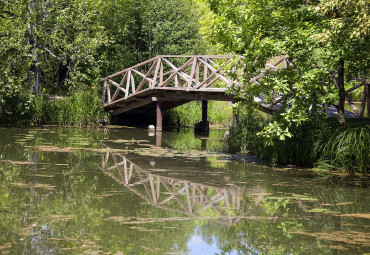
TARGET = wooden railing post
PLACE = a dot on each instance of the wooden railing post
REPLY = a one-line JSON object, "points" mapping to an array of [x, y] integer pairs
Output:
{"points": [[104, 92]]}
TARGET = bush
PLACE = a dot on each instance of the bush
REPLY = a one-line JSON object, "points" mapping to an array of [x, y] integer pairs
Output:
{"points": [[15, 106]]}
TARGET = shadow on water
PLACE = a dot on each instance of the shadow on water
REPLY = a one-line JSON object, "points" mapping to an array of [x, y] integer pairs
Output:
{"points": [[126, 191]]}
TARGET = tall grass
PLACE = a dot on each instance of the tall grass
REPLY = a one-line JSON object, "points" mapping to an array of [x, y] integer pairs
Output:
{"points": [[346, 149], [322, 144], [78, 108], [219, 113]]}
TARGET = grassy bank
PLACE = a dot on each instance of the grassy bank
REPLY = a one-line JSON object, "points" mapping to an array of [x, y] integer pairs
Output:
{"points": [[322, 144], [20, 108], [219, 113]]}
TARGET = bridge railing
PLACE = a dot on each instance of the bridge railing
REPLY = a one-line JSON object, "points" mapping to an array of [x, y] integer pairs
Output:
{"points": [[192, 72], [196, 72]]}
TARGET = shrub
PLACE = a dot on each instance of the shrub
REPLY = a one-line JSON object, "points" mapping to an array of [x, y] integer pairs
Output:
{"points": [[15, 106]]}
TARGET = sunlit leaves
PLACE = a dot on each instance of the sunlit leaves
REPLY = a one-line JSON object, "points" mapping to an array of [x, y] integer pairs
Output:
{"points": [[307, 32]]}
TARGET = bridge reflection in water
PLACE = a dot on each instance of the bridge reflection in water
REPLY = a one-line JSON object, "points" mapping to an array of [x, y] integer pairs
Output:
{"points": [[175, 194]]}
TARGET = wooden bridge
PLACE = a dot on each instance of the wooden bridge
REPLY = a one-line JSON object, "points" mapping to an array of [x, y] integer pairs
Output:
{"points": [[164, 82]]}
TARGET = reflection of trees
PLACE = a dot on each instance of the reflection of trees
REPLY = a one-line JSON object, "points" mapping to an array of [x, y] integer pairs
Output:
{"points": [[173, 194]]}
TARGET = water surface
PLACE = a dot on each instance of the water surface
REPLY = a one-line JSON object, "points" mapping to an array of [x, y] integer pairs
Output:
{"points": [[127, 191]]}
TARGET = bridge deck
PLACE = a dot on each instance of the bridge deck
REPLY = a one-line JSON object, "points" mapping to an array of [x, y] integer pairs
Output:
{"points": [[172, 97]]}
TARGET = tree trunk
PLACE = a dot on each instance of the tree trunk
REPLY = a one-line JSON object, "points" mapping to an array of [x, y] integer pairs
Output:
{"points": [[342, 96], [32, 40]]}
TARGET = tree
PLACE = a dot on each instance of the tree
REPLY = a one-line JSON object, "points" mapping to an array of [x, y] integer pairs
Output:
{"points": [[141, 30], [325, 32]]}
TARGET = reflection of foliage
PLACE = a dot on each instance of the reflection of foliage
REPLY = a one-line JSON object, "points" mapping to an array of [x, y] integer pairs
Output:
{"points": [[184, 139], [73, 211]]}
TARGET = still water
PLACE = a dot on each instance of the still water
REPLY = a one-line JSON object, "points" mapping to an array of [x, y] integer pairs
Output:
{"points": [[127, 191]]}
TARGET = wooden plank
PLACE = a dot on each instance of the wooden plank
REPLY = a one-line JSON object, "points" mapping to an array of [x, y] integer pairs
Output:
{"points": [[131, 106], [128, 83], [142, 75], [132, 83], [125, 70], [197, 74], [349, 100], [175, 196], [214, 70], [176, 71], [178, 78], [278, 62], [201, 56], [123, 80], [158, 187], [205, 75], [161, 75], [156, 72], [169, 198], [108, 94], [147, 76], [152, 188], [190, 208], [271, 67], [363, 102], [117, 90], [207, 79], [189, 83], [212, 82], [355, 87]]}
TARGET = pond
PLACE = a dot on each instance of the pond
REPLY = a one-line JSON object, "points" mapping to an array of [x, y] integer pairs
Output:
{"points": [[130, 191]]}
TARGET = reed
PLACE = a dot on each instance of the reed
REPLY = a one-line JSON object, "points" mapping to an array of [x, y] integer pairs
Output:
{"points": [[345, 149]]}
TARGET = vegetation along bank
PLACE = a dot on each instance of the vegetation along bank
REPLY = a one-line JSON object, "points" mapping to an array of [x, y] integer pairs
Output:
{"points": [[53, 54]]}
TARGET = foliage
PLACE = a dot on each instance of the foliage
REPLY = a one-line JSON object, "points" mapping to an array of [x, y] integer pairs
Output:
{"points": [[296, 149], [319, 143], [141, 30], [219, 113], [78, 108], [347, 149], [308, 33], [15, 106], [58, 46]]}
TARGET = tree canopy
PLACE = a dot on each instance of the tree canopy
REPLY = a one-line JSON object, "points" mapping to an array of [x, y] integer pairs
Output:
{"points": [[329, 33]]}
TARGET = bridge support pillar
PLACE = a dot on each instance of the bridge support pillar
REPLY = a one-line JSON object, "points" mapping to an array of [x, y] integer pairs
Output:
{"points": [[158, 139], [204, 124], [159, 116]]}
